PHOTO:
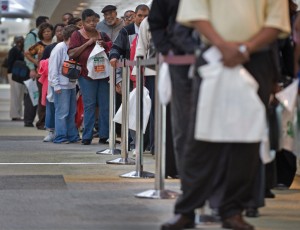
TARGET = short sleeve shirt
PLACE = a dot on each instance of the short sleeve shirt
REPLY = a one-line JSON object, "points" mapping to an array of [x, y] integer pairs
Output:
{"points": [[237, 20]]}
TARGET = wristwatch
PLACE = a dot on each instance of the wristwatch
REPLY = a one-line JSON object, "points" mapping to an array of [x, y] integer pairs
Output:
{"points": [[244, 50]]}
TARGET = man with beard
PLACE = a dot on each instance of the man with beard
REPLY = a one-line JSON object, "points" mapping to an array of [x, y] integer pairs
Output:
{"points": [[111, 24]]}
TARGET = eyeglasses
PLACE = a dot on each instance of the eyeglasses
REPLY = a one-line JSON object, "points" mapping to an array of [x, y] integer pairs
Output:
{"points": [[127, 18]]}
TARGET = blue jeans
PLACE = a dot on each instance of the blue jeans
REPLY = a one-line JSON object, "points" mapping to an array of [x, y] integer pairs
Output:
{"points": [[50, 116], [95, 92], [65, 110]]}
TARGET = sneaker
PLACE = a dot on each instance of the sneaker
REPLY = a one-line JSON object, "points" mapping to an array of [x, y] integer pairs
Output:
{"points": [[49, 137]]}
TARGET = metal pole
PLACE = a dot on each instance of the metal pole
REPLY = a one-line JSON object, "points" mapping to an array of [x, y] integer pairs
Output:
{"points": [[159, 191], [124, 160], [139, 172], [112, 126]]}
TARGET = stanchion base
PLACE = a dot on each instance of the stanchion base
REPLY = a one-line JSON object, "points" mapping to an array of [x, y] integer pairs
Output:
{"points": [[109, 152], [207, 220], [135, 174], [122, 161], [157, 194]]}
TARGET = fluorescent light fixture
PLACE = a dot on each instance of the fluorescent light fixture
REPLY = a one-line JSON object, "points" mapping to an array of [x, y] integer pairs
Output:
{"points": [[19, 19]]}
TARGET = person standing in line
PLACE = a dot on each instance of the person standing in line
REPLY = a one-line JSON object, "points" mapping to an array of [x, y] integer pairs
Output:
{"points": [[49, 100], [66, 17], [94, 92], [111, 25], [64, 92], [129, 17], [16, 89], [30, 39], [34, 55], [171, 38], [241, 40]]}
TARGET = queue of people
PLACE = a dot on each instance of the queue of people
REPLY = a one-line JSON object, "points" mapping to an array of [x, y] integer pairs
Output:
{"points": [[228, 174]]}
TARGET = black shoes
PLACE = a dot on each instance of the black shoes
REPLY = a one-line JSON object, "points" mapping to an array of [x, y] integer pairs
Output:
{"points": [[103, 141], [86, 142], [178, 222], [269, 194], [28, 125], [252, 212], [236, 223]]}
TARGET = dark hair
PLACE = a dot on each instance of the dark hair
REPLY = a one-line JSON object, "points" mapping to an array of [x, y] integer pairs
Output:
{"points": [[97, 15], [127, 11], [71, 15], [42, 27], [40, 19], [73, 21], [87, 13], [57, 25], [142, 7], [68, 30]]}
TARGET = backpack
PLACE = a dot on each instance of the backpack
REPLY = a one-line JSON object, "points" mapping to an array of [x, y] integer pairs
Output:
{"points": [[20, 71]]}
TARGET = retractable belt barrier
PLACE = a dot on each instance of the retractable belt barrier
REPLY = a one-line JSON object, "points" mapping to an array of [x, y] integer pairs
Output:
{"points": [[159, 191]]}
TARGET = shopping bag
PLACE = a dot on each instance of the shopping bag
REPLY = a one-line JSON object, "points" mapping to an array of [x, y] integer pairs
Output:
{"points": [[164, 84], [229, 108], [132, 110], [288, 96], [32, 90], [97, 63]]}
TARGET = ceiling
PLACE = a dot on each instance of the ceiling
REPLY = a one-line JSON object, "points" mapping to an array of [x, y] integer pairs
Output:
{"points": [[21, 14]]}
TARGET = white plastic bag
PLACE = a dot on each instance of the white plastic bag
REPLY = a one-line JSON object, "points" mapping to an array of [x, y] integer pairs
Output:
{"points": [[267, 155], [132, 110], [164, 84], [288, 96], [33, 91], [229, 108], [97, 63]]}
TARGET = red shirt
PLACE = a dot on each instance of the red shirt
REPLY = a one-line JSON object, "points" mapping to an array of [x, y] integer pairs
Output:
{"points": [[78, 40]]}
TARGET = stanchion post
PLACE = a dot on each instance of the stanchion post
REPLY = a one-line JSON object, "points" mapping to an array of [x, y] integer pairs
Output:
{"points": [[159, 191], [139, 172], [124, 159], [112, 109]]}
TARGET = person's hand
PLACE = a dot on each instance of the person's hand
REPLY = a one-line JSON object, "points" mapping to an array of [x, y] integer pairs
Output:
{"points": [[231, 54], [113, 62], [119, 88], [33, 74], [102, 43], [91, 41]]}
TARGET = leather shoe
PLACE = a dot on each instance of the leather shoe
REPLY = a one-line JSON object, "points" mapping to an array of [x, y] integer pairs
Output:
{"points": [[236, 222], [252, 212], [103, 141], [86, 142], [269, 194], [178, 222]]}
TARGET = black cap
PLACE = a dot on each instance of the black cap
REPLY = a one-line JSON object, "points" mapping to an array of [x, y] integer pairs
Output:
{"points": [[108, 8]]}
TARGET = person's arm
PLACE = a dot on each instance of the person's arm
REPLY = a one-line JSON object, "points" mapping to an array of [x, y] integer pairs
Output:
{"points": [[30, 40], [158, 23], [74, 52], [118, 48], [55, 60]]}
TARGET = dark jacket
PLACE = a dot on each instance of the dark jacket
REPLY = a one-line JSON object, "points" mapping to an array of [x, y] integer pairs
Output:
{"points": [[14, 54], [166, 33], [121, 46]]}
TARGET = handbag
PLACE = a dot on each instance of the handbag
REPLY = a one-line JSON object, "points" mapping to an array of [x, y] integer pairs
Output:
{"points": [[20, 71], [71, 69]]}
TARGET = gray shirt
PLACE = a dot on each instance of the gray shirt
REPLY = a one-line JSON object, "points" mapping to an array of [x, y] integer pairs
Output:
{"points": [[111, 31]]}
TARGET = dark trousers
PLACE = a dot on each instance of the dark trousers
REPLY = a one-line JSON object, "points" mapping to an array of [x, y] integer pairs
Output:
{"points": [[286, 163], [41, 109], [29, 110], [150, 85], [180, 109], [200, 160]]}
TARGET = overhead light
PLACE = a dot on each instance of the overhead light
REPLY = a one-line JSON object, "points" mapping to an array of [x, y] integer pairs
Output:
{"points": [[80, 8], [76, 12], [83, 4], [3, 19], [19, 19]]}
